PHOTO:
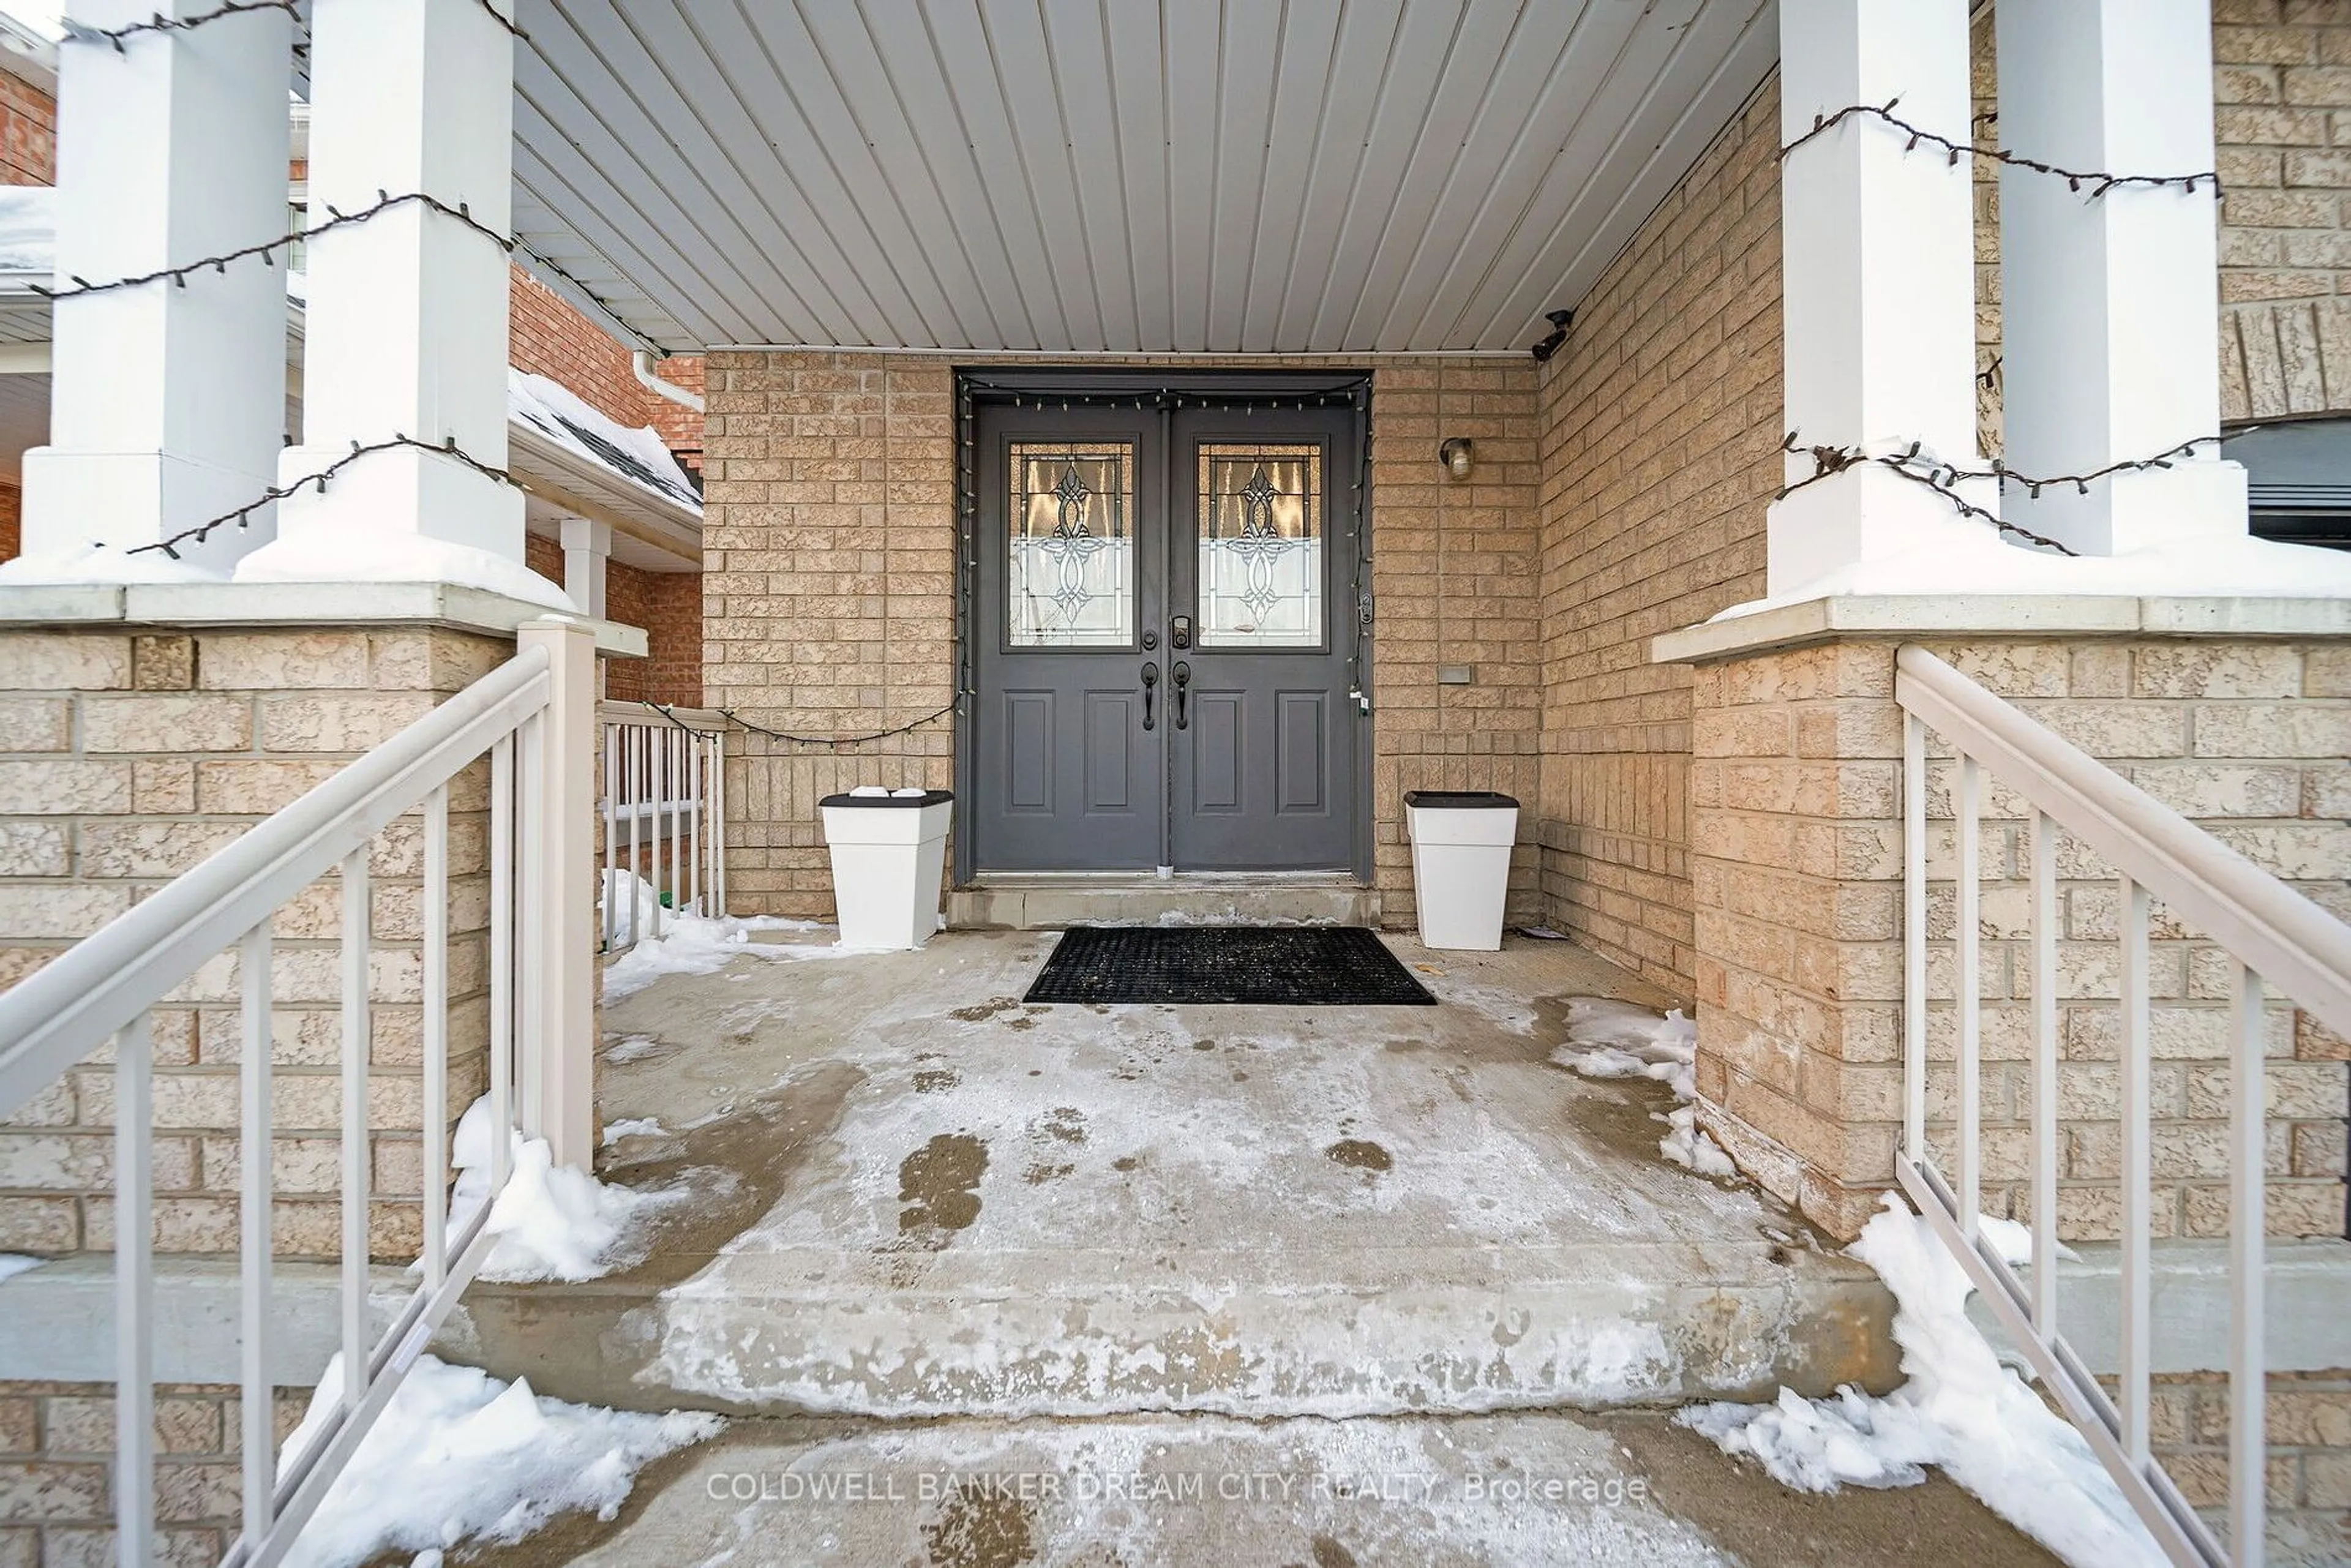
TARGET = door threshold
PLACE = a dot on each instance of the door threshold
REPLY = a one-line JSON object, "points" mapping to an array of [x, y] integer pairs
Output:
{"points": [[1045, 901], [1142, 879]]}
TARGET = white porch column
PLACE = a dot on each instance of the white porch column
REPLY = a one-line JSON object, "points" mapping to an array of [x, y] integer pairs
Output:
{"points": [[587, 548], [2108, 302], [168, 399], [407, 311], [1877, 270]]}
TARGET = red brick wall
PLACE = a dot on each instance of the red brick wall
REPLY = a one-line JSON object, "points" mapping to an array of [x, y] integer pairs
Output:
{"points": [[28, 134], [667, 604], [548, 338]]}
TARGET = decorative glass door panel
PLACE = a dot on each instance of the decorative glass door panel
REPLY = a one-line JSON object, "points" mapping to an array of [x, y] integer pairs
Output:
{"points": [[1262, 549], [1073, 569]]}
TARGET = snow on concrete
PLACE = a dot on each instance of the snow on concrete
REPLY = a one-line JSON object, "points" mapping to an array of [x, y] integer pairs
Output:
{"points": [[1608, 1039], [633, 1127], [552, 1222], [14, 1263], [692, 945], [639, 456], [1961, 1409], [457, 1457], [1132, 1196]]}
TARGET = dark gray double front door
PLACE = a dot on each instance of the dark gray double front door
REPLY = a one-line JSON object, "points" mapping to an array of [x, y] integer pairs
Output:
{"points": [[1164, 628]]}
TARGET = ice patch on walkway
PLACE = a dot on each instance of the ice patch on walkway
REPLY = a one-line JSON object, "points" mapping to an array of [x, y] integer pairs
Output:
{"points": [[457, 1457], [1609, 1039], [1961, 1409], [690, 943], [551, 1222]]}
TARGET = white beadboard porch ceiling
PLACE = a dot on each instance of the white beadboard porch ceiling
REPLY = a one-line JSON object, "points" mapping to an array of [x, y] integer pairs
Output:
{"points": [[1226, 176]]}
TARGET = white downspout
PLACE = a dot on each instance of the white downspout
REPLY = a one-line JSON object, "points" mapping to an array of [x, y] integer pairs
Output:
{"points": [[641, 361]]}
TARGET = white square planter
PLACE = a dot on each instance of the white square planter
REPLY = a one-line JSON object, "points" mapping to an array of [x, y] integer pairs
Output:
{"points": [[1461, 843], [888, 854]]}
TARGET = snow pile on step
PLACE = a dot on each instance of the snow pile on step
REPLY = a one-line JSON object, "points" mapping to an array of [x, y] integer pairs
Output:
{"points": [[14, 1263], [552, 1222], [457, 1457], [1961, 1409], [1608, 1039]]}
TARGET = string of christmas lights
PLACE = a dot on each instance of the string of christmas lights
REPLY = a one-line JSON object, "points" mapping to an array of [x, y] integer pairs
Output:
{"points": [[2099, 181], [80, 33], [243, 516], [267, 250], [1913, 464], [834, 741]]}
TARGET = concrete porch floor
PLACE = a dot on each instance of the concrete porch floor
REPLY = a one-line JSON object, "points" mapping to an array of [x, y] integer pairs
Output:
{"points": [[964, 1237], [941, 1201]]}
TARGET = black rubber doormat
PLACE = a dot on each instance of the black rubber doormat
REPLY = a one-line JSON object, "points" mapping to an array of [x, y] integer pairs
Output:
{"points": [[1261, 966]]}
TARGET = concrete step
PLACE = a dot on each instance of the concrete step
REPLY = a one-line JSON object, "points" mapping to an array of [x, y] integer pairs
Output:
{"points": [[1046, 902], [1079, 1333], [1624, 1490]]}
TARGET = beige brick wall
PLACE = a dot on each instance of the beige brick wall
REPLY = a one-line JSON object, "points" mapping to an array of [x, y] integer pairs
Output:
{"points": [[128, 759], [1796, 795], [2309, 1469], [1660, 449], [57, 1456], [830, 580]]}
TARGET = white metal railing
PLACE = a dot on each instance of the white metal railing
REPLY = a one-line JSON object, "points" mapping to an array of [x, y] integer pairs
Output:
{"points": [[2275, 938], [663, 809], [523, 714]]}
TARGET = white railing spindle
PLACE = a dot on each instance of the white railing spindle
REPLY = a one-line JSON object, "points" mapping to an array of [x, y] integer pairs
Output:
{"points": [[2044, 1074], [502, 955], [134, 1292], [1968, 981], [612, 831], [2247, 1228], [1913, 938], [256, 1424], [2137, 1194], [435, 1032], [356, 925]]}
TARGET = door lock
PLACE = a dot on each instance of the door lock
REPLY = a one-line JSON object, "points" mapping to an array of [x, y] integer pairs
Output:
{"points": [[1179, 633], [1183, 681], [1150, 686]]}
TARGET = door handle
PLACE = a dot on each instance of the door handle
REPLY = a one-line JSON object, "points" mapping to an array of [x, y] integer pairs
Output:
{"points": [[1182, 681], [1150, 685]]}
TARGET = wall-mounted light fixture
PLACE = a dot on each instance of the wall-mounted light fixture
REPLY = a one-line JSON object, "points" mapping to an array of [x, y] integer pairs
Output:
{"points": [[1561, 320], [1459, 455]]}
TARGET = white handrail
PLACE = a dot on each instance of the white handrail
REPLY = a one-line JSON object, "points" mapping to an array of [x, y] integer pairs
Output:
{"points": [[2299, 946], [66, 1009], [2275, 938], [533, 718]]}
